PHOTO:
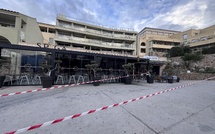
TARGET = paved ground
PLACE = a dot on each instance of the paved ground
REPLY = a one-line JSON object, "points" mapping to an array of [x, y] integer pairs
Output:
{"points": [[186, 110]]}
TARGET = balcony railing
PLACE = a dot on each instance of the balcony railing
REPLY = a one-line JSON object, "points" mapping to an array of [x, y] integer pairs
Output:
{"points": [[198, 41], [92, 23], [97, 31], [100, 52], [79, 49], [97, 42]]}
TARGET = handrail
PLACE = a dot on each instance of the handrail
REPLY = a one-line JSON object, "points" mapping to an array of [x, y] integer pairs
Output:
{"points": [[93, 23], [97, 32]]}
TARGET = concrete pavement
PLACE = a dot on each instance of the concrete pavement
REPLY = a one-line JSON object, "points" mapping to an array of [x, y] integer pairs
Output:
{"points": [[186, 110]]}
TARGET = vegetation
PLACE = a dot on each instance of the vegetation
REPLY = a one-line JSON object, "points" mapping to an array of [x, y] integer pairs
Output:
{"points": [[179, 51], [128, 68], [176, 51], [4, 65], [210, 50], [190, 58], [169, 69], [93, 66], [187, 49], [47, 65]]}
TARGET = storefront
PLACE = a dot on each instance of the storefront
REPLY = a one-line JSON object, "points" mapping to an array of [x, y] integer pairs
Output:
{"points": [[22, 64]]}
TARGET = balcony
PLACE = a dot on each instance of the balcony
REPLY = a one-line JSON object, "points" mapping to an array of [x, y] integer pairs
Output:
{"points": [[199, 42], [79, 49], [92, 42], [166, 39], [96, 32], [70, 48], [9, 33], [160, 46]]}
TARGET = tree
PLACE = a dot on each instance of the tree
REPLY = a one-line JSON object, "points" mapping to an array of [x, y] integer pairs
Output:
{"points": [[210, 50], [186, 49], [190, 58], [176, 51], [169, 69], [128, 68]]}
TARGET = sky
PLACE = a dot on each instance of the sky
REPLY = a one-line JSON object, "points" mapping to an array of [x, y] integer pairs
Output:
{"points": [[177, 15]]}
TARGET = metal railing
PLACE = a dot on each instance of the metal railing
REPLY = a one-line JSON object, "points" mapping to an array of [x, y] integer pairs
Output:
{"points": [[93, 23], [97, 42], [96, 31]]}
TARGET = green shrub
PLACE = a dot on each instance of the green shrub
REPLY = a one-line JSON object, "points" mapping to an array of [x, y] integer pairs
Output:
{"points": [[210, 50], [186, 49], [176, 51], [192, 57], [209, 69]]}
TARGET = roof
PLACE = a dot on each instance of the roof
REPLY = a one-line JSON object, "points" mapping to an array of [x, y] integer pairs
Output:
{"points": [[8, 10], [157, 29]]}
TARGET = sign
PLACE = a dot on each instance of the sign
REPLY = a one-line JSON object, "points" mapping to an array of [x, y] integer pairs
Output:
{"points": [[151, 57], [48, 46], [5, 53]]}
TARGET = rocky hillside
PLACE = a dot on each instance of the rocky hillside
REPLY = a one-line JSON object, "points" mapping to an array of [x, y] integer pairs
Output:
{"points": [[208, 62]]}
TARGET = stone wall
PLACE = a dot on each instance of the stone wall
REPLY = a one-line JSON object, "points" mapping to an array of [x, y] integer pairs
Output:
{"points": [[195, 76], [207, 61]]}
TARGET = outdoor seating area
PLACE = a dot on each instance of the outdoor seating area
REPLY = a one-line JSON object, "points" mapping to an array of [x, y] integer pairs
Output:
{"points": [[34, 78], [31, 75]]}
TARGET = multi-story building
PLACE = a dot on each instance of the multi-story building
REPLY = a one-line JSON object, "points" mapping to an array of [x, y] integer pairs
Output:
{"points": [[48, 32], [85, 36], [24, 43], [89, 39], [156, 42], [82, 36], [197, 38], [16, 27]]}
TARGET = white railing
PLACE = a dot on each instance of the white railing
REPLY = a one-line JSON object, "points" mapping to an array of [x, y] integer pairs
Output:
{"points": [[79, 20], [96, 31], [79, 49], [77, 39], [100, 52]]}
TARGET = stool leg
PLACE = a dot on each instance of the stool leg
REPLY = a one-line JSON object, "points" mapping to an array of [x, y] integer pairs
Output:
{"points": [[62, 80], [74, 79]]}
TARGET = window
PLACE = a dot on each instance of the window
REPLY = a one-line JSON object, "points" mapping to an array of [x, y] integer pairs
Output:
{"points": [[185, 43], [151, 43], [185, 36], [193, 40], [143, 50], [143, 44], [203, 38], [51, 40]]}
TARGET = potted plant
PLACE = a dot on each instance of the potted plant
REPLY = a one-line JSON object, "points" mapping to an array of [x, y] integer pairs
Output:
{"points": [[94, 67], [2, 72], [150, 76], [128, 68], [47, 79]]}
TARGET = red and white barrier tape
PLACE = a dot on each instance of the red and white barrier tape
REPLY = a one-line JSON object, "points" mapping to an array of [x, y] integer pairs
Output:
{"points": [[93, 111], [60, 86]]}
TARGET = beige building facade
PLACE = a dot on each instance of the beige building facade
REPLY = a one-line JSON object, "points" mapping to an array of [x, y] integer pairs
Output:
{"points": [[157, 42], [82, 36], [76, 35], [197, 38], [89, 37], [16, 27]]}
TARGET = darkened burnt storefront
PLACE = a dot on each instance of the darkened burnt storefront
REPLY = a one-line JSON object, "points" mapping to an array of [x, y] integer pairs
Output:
{"points": [[22, 64]]}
